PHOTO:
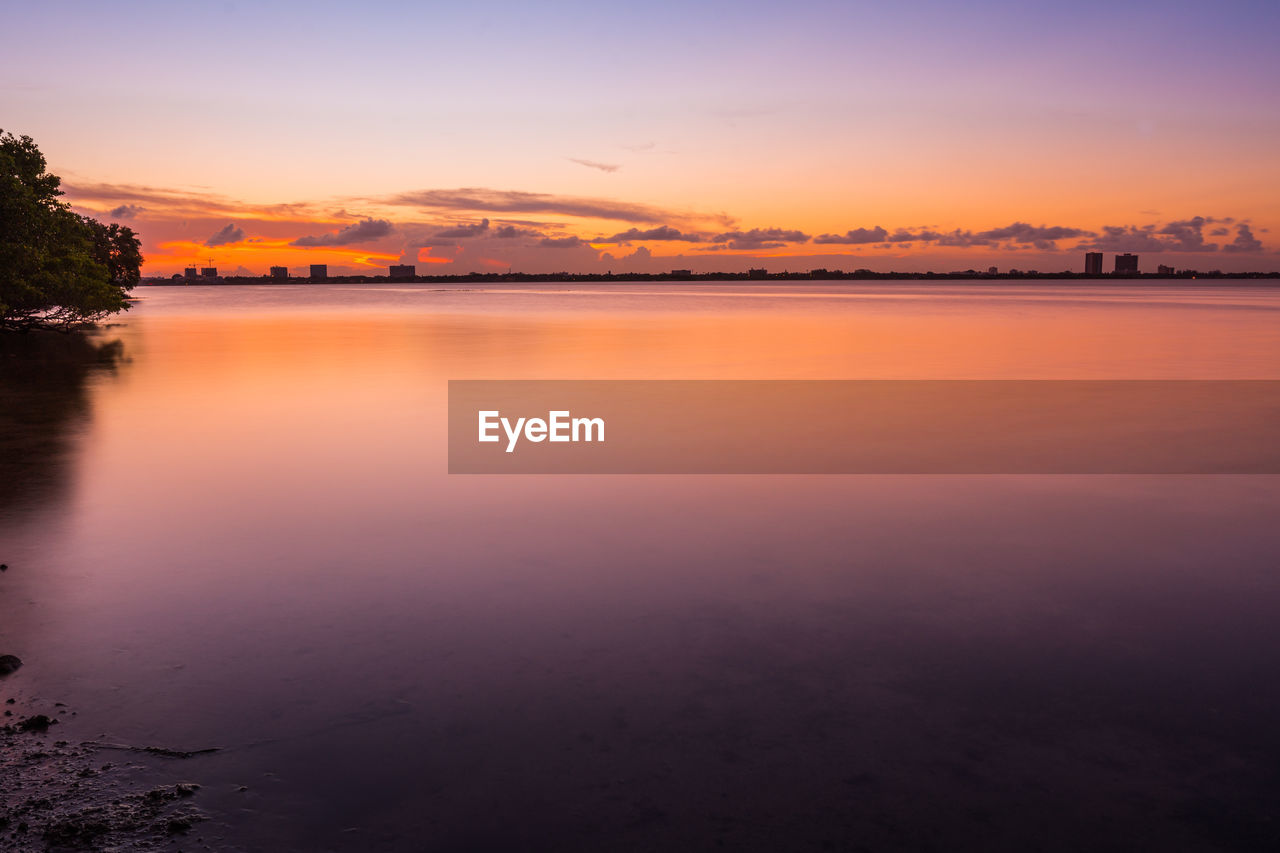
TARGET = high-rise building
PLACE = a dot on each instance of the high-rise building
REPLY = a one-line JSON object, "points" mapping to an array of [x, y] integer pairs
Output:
{"points": [[1093, 263], [1164, 270], [319, 272], [209, 272], [403, 271], [279, 273], [190, 273], [1126, 263]]}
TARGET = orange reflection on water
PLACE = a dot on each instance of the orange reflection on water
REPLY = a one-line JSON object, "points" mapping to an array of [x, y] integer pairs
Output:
{"points": [[258, 547]]}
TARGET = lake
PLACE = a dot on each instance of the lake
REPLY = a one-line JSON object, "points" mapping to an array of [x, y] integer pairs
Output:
{"points": [[237, 530]]}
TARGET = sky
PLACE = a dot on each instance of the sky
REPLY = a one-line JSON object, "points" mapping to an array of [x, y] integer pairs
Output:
{"points": [[586, 137]]}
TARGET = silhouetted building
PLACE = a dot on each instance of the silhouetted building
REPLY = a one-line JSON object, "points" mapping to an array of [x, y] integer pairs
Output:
{"points": [[279, 273], [993, 271], [209, 272], [319, 272], [760, 273], [1093, 263], [191, 273], [1164, 270], [682, 273], [1126, 263], [403, 271]]}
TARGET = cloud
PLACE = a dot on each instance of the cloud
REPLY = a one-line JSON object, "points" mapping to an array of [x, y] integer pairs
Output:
{"points": [[182, 202], [902, 235], [518, 208], [760, 238], [507, 232], [855, 236], [128, 192], [1244, 241], [592, 164], [363, 231], [662, 232], [1125, 238], [962, 239], [1185, 235], [466, 230], [226, 236], [1042, 236], [441, 234], [125, 211], [511, 201], [561, 243]]}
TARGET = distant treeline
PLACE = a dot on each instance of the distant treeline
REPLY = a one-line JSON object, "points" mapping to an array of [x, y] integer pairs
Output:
{"points": [[815, 275]]}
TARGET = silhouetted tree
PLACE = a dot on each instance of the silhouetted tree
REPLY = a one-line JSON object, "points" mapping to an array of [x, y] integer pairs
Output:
{"points": [[57, 269], [117, 248]]}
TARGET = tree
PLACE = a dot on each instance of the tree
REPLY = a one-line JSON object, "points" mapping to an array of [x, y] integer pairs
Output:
{"points": [[58, 270], [117, 248]]}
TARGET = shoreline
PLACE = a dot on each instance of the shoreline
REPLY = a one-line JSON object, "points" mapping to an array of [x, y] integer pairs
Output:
{"points": [[62, 794], [1258, 280]]}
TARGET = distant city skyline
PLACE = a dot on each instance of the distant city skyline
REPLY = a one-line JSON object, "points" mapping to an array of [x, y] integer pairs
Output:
{"points": [[1127, 268], [567, 136]]}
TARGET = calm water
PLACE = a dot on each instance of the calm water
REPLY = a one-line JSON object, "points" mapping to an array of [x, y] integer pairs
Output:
{"points": [[243, 536]]}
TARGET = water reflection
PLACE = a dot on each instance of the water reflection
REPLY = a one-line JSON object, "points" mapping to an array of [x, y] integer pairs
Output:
{"points": [[44, 404], [263, 552]]}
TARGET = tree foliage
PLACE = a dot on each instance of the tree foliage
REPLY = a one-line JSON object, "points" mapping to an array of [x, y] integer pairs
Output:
{"points": [[57, 269]]}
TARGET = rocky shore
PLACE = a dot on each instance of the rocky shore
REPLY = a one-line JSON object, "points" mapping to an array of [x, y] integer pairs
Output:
{"points": [[58, 794]]}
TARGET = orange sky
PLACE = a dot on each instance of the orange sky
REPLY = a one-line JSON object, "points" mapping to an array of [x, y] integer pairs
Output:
{"points": [[979, 134]]}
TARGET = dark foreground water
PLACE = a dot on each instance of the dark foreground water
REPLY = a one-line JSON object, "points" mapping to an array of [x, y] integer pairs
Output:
{"points": [[237, 532]]}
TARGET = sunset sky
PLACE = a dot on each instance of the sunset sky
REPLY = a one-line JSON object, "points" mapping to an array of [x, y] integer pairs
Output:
{"points": [[588, 136]]}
